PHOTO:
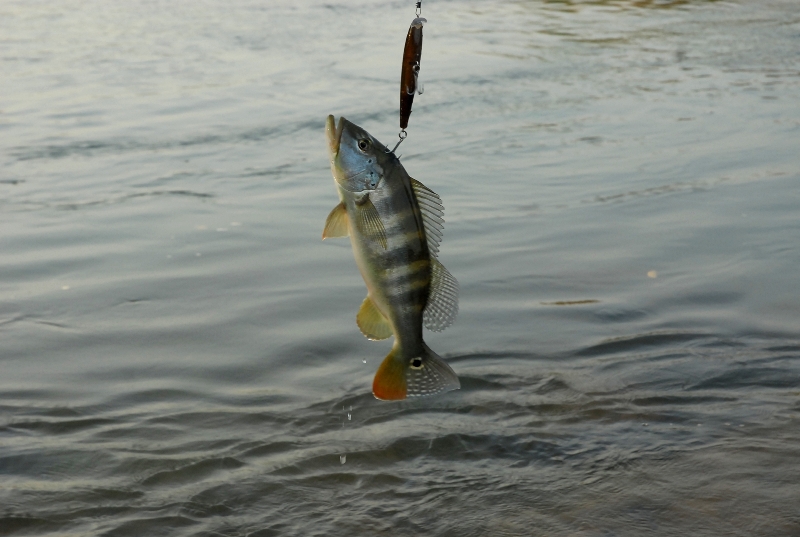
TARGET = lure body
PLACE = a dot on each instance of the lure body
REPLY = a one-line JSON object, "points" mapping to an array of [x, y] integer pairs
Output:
{"points": [[409, 75]]}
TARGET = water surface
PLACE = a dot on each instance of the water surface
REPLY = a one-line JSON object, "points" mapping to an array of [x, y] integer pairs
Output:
{"points": [[178, 351]]}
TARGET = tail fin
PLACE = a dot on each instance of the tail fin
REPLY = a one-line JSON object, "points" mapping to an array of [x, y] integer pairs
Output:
{"points": [[399, 377]]}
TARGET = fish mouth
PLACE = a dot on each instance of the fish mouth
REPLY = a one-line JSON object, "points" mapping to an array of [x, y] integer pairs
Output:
{"points": [[334, 134]]}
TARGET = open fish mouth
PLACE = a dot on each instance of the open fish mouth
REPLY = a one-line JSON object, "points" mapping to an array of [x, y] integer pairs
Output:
{"points": [[334, 134]]}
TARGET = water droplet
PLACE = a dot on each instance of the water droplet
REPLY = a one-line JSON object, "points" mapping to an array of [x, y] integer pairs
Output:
{"points": [[342, 459], [364, 361], [349, 416], [420, 87]]}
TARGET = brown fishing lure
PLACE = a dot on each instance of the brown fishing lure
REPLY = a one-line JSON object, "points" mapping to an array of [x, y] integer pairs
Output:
{"points": [[409, 76]]}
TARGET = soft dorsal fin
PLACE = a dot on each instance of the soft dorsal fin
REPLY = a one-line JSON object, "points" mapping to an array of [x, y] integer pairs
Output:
{"points": [[372, 322], [442, 306], [369, 221], [336, 224], [430, 205]]}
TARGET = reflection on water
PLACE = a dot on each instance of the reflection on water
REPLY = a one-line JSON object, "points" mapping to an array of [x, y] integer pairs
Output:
{"points": [[178, 351]]}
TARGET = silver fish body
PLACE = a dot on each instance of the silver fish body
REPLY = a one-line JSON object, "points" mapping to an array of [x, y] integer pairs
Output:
{"points": [[395, 225]]}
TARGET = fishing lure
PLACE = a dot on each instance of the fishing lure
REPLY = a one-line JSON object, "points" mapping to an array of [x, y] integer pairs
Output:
{"points": [[409, 75]]}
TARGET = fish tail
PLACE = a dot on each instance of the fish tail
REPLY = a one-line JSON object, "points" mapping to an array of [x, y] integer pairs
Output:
{"points": [[402, 376]]}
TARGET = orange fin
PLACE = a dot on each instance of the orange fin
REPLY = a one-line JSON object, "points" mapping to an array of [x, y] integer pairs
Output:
{"points": [[390, 380], [419, 376]]}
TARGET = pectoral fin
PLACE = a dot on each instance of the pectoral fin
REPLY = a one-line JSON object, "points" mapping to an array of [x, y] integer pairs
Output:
{"points": [[336, 224], [369, 221], [372, 322]]}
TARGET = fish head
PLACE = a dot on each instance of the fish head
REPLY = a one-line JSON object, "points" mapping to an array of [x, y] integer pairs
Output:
{"points": [[357, 159]]}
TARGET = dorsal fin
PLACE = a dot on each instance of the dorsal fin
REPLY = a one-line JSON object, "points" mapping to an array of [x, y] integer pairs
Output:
{"points": [[442, 306], [430, 205]]}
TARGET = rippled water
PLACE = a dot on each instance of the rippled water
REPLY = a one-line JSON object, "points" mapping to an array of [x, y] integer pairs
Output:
{"points": [[178, 352]]}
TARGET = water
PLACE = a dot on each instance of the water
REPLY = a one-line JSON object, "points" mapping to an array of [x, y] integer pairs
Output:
{"points": [[178, 351]]}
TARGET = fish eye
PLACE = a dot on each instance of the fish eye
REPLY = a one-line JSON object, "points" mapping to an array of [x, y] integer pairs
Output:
{"points": [[416, 363], [363, 145]]}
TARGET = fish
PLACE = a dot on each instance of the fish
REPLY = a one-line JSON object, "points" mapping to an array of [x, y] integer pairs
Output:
{"points": [[395, 225]]}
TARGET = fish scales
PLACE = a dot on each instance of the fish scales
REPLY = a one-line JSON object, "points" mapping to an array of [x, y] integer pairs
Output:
{"points": [[381, 212], [393, 287]]}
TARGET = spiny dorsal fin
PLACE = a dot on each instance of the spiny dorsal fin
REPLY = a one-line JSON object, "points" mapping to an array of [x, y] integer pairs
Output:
{"points": [[369, 221], [442, 306], [372, 322], [430, 205], [336, 224]]}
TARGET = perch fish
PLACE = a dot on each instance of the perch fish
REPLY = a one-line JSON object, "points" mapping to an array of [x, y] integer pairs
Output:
{"points": [[395, 226]]}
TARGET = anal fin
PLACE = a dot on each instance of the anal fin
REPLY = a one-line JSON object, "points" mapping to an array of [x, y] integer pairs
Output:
{"points": [[372, 322], [336, 224]]}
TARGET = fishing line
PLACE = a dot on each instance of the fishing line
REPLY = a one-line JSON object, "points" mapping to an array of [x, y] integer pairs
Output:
{"points": [[409, 74]]}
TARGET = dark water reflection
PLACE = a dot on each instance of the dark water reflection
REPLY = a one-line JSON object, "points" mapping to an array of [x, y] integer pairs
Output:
{"points": [[177, 348]]}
